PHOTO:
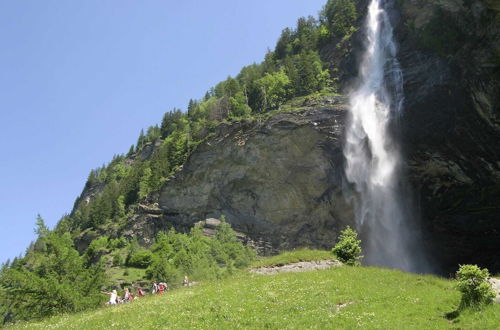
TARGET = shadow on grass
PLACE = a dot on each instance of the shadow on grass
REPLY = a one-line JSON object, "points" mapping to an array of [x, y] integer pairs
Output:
{"points": [[452, 315]]}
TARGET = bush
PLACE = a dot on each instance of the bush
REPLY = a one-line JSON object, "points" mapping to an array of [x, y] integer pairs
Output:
{"points": [[472, 283], [117, 260], [140, 259], [117, 243], [163, 271], [348, 249]]}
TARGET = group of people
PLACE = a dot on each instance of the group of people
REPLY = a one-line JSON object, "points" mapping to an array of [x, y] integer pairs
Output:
{"points": [[115, 299], [157, 288]]}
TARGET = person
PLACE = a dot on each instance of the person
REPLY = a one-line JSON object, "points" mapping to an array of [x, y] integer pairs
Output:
{"points": [[113, 297], [128, 296], [155, 288], [185, 282], [161, 287], [140, 293]]}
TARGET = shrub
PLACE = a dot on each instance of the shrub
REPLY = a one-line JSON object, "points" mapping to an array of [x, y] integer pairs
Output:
{"points": [[162, 270], [348, 249], [117, 260], [472, 283], [140, 259], [117, 243]]}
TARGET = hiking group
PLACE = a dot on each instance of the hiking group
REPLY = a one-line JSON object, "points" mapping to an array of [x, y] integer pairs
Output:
{"points": [[157, 288]]}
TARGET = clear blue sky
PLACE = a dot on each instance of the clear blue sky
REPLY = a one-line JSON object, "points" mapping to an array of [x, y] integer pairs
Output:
{"points": [[79, 79]]}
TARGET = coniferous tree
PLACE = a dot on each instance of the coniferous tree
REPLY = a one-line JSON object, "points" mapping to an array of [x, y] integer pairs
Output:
{"points": [[145, 184]]}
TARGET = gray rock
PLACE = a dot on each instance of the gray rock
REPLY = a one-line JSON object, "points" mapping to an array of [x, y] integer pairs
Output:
{"points": [[278, 181]]}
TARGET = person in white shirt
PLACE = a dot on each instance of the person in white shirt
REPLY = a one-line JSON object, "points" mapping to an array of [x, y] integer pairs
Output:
{"points": [[113, 297]]}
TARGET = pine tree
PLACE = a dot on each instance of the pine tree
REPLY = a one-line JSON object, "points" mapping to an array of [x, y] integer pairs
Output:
{"points": [[145, 183], [41, 229]]}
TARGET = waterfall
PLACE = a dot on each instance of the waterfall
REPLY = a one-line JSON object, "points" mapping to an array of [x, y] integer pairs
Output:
{"points": [[372, 156]]}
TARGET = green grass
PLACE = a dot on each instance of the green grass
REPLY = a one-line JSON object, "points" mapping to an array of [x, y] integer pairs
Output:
{"points": [[293, 256], [125, 274], [341, 297]]}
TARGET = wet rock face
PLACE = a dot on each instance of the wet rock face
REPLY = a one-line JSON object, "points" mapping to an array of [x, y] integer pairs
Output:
{"points": [[450, 129], [277, 181]]}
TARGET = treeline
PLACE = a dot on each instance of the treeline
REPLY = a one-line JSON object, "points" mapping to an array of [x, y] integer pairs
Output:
{"points": [[52, 277]]}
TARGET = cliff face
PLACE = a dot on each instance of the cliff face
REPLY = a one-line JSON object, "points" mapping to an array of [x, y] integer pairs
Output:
{"points": [[278, 181], [449, 51]]}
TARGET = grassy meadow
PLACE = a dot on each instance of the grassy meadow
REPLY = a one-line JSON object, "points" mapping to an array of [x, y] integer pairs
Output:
{"points": [[341, 297]]}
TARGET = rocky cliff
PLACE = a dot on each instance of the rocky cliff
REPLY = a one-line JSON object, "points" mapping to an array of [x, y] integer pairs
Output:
{"points": [[450, 52], [278, 180]]}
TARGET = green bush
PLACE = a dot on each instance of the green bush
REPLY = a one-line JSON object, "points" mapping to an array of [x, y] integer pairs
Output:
{"points": [[140, 259], [96, 248], [348, 249], [117, 260], [117, 243], [472, 283], [163, 270]]}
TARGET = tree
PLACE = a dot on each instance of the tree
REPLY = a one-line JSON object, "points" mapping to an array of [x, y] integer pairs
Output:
{"points": [[307, 36], [306, 73], [284, 44], [348, 249], [50, 281], [145, 183], [275, 88], [120, 209], [170, 122], [239, 107], [340, 16], [140, 141], [41, 229], [224, 233], [131, 151]]}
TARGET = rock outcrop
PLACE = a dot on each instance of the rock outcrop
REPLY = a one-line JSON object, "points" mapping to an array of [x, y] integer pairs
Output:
{"points": [[278, 181]]}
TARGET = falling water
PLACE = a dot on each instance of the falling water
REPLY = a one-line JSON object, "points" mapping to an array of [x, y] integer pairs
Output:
{"points": [[372, 155]]}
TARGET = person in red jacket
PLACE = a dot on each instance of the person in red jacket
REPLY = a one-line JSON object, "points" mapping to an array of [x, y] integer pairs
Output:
{"points": [[162, 288]]}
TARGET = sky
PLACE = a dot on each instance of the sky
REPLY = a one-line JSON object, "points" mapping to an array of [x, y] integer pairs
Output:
{"points": [[80, 79]]}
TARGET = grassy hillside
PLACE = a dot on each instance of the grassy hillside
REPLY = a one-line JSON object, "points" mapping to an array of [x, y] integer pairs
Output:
{"points": [[341, 297]]}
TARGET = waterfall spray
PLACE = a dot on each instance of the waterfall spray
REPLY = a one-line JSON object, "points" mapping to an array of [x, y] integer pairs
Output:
{"points": [[372, 155]]}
